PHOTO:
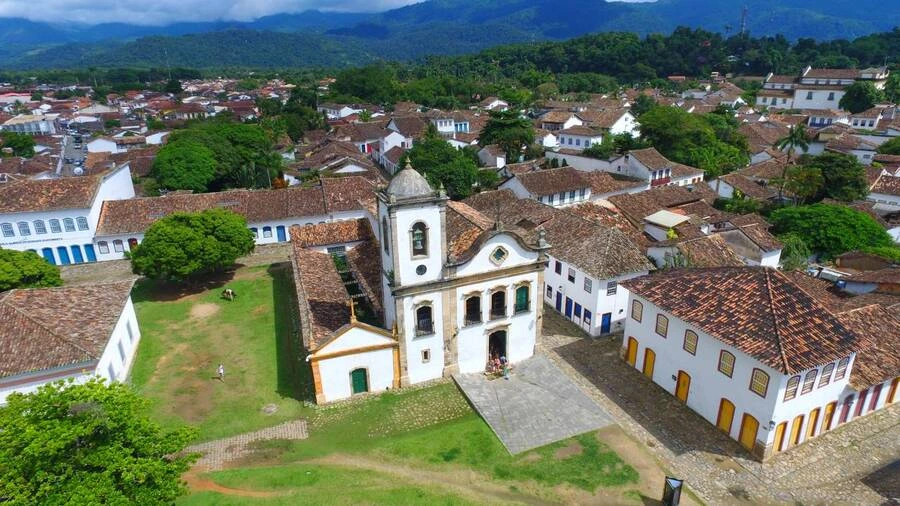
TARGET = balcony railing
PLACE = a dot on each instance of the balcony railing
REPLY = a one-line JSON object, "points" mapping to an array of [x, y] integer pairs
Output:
{"points": [[424, 327], [472, 319], [498, 312]]}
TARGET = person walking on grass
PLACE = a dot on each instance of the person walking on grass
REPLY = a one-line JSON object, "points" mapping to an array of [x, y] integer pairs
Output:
{"points": [[221, 372]]}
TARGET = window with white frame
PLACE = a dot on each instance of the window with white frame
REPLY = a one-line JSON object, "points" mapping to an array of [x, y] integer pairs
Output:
{"points": [[842, 368], [588, 284], [637, 310], [809, 381], [611, 288], [118, 246], [82, 223], [826, 375], [571, 275], [8, 230], [759, 382], [103, 246], [69, 224], [24, 229], [662, 325], [39, 227], [792, 385]]}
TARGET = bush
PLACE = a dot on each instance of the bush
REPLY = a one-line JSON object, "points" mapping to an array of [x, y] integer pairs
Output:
{"points": [[830, 229], [25, 269]]}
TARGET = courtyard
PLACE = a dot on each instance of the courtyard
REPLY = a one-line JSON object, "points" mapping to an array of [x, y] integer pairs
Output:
{"points": [[267, 444]]}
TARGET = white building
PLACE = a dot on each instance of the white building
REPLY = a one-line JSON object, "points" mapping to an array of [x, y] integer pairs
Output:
{"points": [[560, 187], [58, 218], [754, 354], [73, 332], [885, 192], [815, 88], [649, 165], [31, 124], [579, 138], [454, 288]]}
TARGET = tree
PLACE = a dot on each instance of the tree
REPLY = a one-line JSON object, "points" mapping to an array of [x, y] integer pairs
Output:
{"points": [[173, 86], [830, 229], [88, 444], [860, 96], [642, 104], [442, 164], [794, 252], [184, 165], [795, 138], [891, 147], [602, 150], [844, 177], [25, 269], [804, 181], [182, 246], [509, 131], [21, 144]]}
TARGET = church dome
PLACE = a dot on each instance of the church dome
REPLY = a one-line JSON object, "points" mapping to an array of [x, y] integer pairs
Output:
{"points": [[409, 183]]}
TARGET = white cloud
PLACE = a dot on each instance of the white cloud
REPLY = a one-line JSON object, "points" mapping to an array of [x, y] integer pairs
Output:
{"points": [[162, 12]]}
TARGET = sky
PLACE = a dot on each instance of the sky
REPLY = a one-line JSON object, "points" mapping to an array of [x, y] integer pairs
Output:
{"points": [[163, 12]]}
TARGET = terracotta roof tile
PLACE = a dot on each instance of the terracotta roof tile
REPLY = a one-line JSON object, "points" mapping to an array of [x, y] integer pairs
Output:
{"points": [[709, 251], [888, 185], [49, 194], [879, 358], [337, 232], [603, 182], [551, 181]]}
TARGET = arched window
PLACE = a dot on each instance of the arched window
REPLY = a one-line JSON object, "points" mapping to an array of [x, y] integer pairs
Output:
{"points": [[498, 304], [690, 342], [384, 235], [118, 246], [39, 227], [7, 229], [103, 246], [69, 224], [826, 375], [424, 321], [842, 368], [637, 310], [419, 237], [522, 299], [54, 226], [267, 232], [82, 223], [24, 229], [791, 391], [473, 310], [759, 382], [662, 325], [809, 381], [726, 363]]}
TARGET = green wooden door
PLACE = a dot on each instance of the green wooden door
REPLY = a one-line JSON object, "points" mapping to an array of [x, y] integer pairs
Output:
{"points": [[358, 381]]}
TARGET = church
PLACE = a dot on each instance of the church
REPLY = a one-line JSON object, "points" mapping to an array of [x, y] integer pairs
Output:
{"points": [[423, 288]]}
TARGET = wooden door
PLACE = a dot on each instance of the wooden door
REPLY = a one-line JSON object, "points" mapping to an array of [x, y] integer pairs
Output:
{"points": [[813, 422], [892, 393], [359, 381], [749, 427], [876, 394], [631, 355], [829, 416], [726, 416], [795, 431], [683, 386], [649, 362], [779, 436]]}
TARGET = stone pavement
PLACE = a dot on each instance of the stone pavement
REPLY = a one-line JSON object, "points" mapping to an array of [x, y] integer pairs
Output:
{"points": [[215, 454], [853, 464], [537, 406]]}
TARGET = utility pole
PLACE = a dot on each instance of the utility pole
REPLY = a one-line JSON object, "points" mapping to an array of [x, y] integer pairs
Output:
{"points": [[743, 20]]}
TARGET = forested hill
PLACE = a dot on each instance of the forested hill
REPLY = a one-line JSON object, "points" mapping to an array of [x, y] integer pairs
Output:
{"points": [[436, 27]]}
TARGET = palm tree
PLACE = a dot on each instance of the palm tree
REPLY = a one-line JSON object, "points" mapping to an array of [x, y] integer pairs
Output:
{"points": [[795, 138]]}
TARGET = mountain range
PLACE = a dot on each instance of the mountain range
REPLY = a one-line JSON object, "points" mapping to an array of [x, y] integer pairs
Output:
{"points": [[315, 38]]}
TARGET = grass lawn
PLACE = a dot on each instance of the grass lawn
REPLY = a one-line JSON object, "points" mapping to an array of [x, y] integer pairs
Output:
{"points": [[393, 448]]}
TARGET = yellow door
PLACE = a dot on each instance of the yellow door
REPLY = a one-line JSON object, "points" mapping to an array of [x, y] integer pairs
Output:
{"points": [[829, 415], [795, 431], [631, 356], [892, 393], [726, 416], [649, 361], [749, 426], [811, 426], [779, 436], [682, 386]]}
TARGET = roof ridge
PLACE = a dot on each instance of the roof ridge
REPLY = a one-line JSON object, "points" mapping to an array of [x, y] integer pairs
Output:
{"points": [[41, 325], [781, 352]]}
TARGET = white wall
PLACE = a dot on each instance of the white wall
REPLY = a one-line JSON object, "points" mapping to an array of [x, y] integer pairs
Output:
{"points": [[118, 356], [819, 99], [885, 201], [334, 373], [417, 370], [405, 218]]}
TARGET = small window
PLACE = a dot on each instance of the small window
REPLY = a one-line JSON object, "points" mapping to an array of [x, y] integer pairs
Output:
{"points": [[726, 363], [637, 310], [759, 382], [831, 96], [69, 224], [499, 255], [557, 267], [571, 276], [611, 288], [662, 325], [82, 223], [809, 95], [577, 310], [690, 342], [587, 317], [809, 381], [267, 232], [549, 292], [39, 227], [842, 368], [384, 234], [426, 356], [419, 236], [522, 299], [24, 229], [792, 385], [424, 322], [103, 246], [255, 232], [588, 284], [473, 310], [498, 304], [118, 246], [826, 375], [54, 226], [130, 332], [8, 230]]}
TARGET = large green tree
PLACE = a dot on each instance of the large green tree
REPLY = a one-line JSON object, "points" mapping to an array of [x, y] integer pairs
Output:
{"points": [[891, 147], [21, 144], [508, 130], [184, 165], [25, 269], [860, 96], [830, 229], [442, 164], [182, 246], [804, 181], [87, 444], [844, 177]]}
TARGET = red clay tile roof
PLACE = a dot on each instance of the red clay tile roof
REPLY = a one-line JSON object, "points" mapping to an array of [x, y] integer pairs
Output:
{"points": [[832, 73], [637, 206], [337, 232], [603, 182], [323, 299], [45, 328], [749, 187], [888, 185], [709, 251], [889, 275], [879, 359], [582, 131], [650, 158], [551, 181], [835, 300], [758, 310], [465, 226], [49, 194]]}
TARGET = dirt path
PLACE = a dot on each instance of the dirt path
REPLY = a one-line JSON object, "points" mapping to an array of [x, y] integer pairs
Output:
{"points": [[199, 484], [467, 484]]}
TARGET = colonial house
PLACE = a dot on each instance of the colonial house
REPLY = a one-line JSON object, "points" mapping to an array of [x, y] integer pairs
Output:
{"points": [[269, 213], [579, 138], [734, 185], [31, 124], [440, 290], [885, 192], [751, 351], [587, 263], [68, 333], [560, 187], [815, 88], [493, 103], [554, 121], [649, 165], [58, 218]]}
